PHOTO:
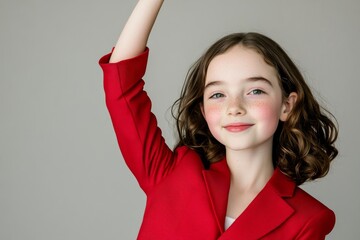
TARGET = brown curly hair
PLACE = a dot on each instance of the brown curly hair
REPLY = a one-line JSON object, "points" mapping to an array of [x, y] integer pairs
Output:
{"points": [[303, 146]]}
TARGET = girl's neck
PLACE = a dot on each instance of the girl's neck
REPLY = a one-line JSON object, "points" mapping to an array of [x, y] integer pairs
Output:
{"points": [[250, 170]]}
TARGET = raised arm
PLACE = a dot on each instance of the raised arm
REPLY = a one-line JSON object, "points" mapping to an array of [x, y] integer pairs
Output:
{"points": [[140, 140], [134, 36]]}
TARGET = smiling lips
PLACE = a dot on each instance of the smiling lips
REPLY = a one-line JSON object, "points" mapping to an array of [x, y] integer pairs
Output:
{"points": [[238, 127]]}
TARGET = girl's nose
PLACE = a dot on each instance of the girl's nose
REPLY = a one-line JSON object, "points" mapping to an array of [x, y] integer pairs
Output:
{"points": [[236, 107]]}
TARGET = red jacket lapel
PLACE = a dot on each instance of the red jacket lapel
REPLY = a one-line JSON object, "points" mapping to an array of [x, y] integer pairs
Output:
{"points": [[266, 212], [217, 180]]}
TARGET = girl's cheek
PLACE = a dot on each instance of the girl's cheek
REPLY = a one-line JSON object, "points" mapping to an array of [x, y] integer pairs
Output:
{"points": [[212, 113], [267, 111], [213, 119]]}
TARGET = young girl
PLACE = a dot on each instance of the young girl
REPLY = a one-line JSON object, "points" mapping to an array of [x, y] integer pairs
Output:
{"points": [[250, 132]]}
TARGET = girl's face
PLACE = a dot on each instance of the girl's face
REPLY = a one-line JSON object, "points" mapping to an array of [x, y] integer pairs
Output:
{"points": [[243, 101]]}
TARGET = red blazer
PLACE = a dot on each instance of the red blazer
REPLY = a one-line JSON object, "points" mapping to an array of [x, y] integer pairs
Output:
{"points": [[185, 200]]}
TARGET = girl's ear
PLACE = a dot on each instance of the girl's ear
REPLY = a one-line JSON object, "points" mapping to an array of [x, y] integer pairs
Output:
{"points": [[288, 105]]}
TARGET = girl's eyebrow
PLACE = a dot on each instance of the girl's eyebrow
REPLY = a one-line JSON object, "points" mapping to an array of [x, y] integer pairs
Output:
{"points": [[260, 78], [251, 79], [213, 83]]}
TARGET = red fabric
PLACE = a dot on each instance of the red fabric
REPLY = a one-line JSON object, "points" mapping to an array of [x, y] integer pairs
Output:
{"points": [[186, 201]]}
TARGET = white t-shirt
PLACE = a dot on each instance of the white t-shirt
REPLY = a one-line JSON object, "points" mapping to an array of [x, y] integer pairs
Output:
{"points": [[228, 222]]}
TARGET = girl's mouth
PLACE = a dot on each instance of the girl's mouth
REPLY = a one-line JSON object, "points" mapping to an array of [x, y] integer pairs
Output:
{"points": [[237, 127]]}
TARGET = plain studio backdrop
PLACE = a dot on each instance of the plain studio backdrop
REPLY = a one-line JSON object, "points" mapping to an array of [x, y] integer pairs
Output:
{"points": [[61, 173]]}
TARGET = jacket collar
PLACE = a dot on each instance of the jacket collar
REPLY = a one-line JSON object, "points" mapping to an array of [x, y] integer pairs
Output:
{"points": [[266, 212], [217, 180]]}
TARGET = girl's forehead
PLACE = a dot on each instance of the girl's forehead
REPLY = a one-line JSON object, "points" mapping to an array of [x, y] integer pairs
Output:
{"points": [[242, 62]]}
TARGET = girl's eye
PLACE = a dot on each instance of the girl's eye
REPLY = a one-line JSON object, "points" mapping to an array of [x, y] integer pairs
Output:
{"points": [[217, 95], [256, 92]]}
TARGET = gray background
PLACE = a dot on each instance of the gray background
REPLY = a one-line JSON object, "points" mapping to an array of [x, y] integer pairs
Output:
{"points": [[61, 173]]}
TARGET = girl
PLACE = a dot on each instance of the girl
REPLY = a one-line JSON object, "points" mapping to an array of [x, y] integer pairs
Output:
{"points": [[250, 132]]}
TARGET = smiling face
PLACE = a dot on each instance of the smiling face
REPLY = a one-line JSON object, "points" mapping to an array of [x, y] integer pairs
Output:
{"points": [[243, 101]]}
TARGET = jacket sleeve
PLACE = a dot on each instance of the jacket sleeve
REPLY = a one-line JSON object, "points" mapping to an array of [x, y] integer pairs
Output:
{"points": [[139, 138], [318, 226]]}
